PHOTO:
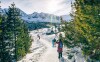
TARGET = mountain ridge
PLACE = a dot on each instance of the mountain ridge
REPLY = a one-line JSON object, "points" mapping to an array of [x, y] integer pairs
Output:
{"points": [[39, 17]]}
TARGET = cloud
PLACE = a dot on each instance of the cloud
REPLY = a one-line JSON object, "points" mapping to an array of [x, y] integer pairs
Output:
{"points": [[57, 7]]}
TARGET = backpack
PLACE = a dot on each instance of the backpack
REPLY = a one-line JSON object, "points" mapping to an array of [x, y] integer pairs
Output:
{"points": [[54, 40], [60, 45]]}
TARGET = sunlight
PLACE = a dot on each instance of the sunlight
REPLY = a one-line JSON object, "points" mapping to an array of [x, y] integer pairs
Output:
{"points": [[56, 7], [53, 6]]}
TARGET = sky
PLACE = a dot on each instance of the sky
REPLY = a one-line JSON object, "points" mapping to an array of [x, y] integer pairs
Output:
{"points": [[56, 7]]}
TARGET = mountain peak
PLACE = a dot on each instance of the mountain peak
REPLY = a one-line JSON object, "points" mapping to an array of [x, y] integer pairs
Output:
{"points": [[38, 17]]}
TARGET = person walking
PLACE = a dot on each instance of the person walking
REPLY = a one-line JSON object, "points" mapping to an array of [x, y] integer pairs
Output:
{"points": [[60, 48], [38, 36], [53, 42]]}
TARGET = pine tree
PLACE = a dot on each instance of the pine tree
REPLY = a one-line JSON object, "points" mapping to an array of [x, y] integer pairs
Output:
{"points": [[84, 29], [19, 33], [10, 35], [0, 36], [14, 35], [87, 23], [23, 42], [2, 32]]}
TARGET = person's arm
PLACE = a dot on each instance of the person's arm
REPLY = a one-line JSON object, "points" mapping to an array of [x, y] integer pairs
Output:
{"points": [[57, 42]]}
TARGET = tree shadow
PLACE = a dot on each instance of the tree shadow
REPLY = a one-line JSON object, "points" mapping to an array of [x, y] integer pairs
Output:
{"points": [[62, 59]]}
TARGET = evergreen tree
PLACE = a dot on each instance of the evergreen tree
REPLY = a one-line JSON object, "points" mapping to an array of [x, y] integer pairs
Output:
{"points": [[23, 42], [2, 32], [87, 23], [84, 30], [11, 31], [0, 42], [14, 37], [0, 36]]}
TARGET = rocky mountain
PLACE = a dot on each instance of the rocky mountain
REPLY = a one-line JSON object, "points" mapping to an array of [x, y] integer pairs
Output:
{"points": [[39, 17], [66, 17]]}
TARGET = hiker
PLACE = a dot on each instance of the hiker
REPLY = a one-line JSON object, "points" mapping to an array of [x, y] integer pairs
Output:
{"points": [[60, 48], [38, 36], [53, 42]]}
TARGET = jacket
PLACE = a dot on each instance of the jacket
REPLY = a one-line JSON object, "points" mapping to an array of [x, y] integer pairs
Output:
{"points": [[59, 49]]}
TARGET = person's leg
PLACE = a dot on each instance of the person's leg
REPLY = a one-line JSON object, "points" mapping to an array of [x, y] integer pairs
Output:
{"points": [[52, 44], [55, 44], [59, 55]]}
